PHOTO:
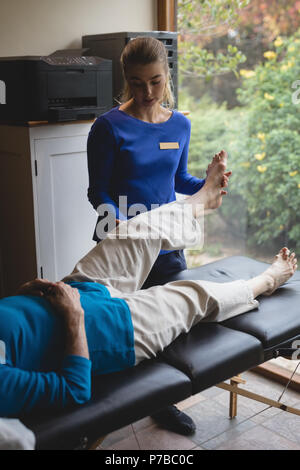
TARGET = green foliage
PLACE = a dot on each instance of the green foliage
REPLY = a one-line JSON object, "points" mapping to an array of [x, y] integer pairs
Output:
{"points": [[200, 15], [263, 141], [267, 170], [197, 62], [215, 128], [197, 21]]}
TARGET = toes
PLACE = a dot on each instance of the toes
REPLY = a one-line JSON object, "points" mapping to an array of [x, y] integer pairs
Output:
{"points": [[293, 262], [285, 253], [295, 267]]}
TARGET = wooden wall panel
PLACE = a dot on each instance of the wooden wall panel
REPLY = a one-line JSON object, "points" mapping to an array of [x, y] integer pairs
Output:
{"points": [[167, 15]]}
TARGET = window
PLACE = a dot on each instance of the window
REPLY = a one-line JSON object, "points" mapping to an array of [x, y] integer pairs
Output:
{"points": [[239, 76]]}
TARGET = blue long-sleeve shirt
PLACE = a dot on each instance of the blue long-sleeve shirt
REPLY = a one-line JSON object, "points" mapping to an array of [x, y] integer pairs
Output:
{"points": [[125, 159], [34, 371]]}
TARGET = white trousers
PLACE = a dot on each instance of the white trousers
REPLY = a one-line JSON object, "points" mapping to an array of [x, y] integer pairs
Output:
{"points": [[159, 314]]}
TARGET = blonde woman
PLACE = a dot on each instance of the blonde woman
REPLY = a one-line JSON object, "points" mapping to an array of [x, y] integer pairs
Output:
{"points": [[137, 160]]}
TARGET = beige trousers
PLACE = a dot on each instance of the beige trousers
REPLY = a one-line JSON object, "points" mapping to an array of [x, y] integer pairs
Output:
{"points": [[159, 314]]}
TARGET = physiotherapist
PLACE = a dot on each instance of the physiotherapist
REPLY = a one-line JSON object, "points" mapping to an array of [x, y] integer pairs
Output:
{"points": [[137, 160]]}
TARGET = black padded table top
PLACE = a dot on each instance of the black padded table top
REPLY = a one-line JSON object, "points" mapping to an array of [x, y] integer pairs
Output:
{"points": [[118, 399], [278, 317], [210, 353]]}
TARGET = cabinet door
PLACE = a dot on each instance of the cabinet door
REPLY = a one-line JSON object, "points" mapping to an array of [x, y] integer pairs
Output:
{"points": [[65, 218]]}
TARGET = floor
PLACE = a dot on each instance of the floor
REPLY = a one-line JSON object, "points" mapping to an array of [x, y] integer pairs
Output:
{"points": [[256, 426]]}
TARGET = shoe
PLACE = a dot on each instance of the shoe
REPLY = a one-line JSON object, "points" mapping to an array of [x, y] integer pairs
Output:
{"points": [[174, 420]]}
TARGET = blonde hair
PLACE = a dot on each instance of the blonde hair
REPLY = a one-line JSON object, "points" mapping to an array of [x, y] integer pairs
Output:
{"points": [[144, 51]]}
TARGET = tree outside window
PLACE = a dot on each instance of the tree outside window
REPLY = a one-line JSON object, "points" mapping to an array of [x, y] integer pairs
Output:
{"points": [[239, 64]]}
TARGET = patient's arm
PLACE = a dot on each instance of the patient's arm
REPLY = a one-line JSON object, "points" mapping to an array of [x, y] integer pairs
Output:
{"points": [[22, 391], [66, 302]]}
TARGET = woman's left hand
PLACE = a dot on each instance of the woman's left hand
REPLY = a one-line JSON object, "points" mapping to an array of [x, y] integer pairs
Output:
{"points": [[225, 179]]}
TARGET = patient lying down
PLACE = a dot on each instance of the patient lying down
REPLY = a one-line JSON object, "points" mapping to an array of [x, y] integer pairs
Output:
{"points": [[97, 320]]}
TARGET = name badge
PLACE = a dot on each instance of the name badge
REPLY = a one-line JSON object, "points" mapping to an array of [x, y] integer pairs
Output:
{"points": [[168, 145]]}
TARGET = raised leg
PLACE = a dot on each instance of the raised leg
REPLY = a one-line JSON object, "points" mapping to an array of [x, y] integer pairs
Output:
{"points": [[124, 259]]}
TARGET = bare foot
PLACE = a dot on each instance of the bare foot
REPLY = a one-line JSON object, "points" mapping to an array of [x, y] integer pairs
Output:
{"points": [[215, 181], [210, 195], [282, 268], [215, 160]]}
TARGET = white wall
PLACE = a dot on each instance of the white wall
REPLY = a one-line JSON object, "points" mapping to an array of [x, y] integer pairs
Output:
{"points": [[39, 27]]}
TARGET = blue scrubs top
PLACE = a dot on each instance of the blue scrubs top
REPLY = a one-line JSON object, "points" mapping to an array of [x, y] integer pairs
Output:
{"points": [[34, 371], [125, 158]]}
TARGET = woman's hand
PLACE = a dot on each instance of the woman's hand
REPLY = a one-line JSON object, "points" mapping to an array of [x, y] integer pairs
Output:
{"points": [[36, 287], [225, 179]]}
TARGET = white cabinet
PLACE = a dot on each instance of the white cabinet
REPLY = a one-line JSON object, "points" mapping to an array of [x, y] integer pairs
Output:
{"points": [[47, 222]]}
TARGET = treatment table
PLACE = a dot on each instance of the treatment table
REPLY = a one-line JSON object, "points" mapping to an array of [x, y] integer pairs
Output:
{"points": [[206, 356]]}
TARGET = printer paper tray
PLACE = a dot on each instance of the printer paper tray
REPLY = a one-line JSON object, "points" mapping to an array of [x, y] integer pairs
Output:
{"points": [[74, 114]]}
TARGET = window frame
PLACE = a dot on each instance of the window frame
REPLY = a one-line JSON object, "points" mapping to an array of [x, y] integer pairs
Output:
{"points": [[167, 15]]}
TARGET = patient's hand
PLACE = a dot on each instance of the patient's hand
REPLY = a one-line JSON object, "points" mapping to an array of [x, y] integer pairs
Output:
{"points": [[66, 301], [37, 287]]}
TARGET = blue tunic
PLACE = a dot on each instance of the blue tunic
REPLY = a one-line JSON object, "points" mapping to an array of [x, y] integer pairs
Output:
{"points": [[125, 159], [34, 371]]}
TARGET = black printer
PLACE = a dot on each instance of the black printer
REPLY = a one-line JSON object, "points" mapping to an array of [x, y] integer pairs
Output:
{"points": [[54, 88]]}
